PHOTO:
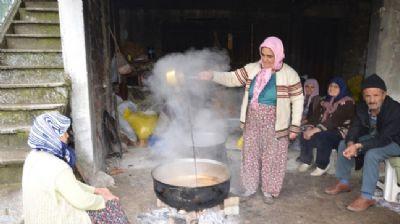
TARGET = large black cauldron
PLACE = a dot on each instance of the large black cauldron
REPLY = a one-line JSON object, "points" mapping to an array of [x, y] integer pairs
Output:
{"points": [[175, 183]]}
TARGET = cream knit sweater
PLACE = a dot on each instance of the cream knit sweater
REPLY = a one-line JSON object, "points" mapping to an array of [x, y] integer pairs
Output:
{"points": [[52, 195], [289, 105]]}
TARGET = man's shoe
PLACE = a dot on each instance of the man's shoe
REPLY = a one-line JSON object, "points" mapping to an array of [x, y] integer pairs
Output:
{"points": [[303, 167], [319, 172], [361, 204], [338, 188]]}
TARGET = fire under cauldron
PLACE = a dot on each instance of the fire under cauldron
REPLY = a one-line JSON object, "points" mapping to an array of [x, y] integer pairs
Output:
{"points": [[175, 183]]}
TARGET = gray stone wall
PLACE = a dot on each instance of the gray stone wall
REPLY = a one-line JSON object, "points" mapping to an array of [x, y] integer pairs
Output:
{"points": [[384, 44], [355, 46]]}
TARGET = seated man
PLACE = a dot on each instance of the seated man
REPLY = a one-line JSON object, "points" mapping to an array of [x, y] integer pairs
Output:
{"points": [[374, 133]]}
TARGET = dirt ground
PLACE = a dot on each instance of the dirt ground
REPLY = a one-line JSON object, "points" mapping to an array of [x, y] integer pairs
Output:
{"points": [[302, 199]]}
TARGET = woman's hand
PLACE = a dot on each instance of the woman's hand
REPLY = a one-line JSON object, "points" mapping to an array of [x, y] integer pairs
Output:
{"points": [[205, 75], [106, 194], [310, 132], [241, 125]]}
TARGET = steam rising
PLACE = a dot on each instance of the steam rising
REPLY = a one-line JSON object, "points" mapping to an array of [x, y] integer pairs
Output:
{"points": [[187, 102]]}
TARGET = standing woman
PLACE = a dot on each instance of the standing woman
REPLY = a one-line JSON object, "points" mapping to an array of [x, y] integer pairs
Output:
{"points": [[326, 127], [271, 111], [50, 192]]}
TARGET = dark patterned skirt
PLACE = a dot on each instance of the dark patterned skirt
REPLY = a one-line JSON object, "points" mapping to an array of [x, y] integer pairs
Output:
{"points": [[111, 214]]}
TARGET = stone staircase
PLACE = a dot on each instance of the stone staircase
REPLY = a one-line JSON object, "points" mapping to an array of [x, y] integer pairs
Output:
{"points": [[32, 80]]}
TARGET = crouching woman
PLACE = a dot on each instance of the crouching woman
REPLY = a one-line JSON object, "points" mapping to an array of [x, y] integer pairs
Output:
{"points": [[50, 192]]}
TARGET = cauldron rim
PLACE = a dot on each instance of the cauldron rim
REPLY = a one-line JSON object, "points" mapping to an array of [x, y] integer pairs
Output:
{"points": [[228, 176], [187, 197]]}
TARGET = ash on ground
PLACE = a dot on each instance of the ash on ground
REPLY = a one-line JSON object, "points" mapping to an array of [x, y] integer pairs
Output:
{"points": [[171, 215]]}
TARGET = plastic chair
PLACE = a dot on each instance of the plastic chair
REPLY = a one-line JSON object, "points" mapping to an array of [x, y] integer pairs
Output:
{"points": [[390, 187]]}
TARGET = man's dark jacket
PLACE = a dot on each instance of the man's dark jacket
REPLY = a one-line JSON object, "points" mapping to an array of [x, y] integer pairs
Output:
{"points": [[388, 125]]}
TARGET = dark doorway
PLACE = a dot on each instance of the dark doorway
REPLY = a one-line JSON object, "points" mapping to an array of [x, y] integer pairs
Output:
{"points": [[321, 38], [319, 49]]}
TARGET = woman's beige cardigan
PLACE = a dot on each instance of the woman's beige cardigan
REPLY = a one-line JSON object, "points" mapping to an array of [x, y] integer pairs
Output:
{"points": [[289, 104]]}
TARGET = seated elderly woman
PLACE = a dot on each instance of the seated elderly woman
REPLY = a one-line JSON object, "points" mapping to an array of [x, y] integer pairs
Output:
{"points": [[326, 127], [311, 102], [50, 192], [311, 99]]}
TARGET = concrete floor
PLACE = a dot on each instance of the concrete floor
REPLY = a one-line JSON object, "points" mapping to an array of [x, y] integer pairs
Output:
{"points": [[10, 204], [302, 199]]}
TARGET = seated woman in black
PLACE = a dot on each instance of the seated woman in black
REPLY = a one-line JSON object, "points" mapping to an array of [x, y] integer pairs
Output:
{"points": [[326, 127]]}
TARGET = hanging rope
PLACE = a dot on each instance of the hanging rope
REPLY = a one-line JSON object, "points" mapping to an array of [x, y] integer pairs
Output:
{"points": [[122, 64]]}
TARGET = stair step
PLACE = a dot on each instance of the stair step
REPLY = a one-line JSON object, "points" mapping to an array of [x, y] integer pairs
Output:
{"points": [[19, 75], [31, 58], [14, 137], [37, 95], [41, 9], [30, 67], [33, 36], [10, 50], [36, 22], [31, 85], [10, 157], [33, 41], [14, 129], [11, 165], [36, 27], [39, 14], [41, 4], [23, 114], [16, 107]]}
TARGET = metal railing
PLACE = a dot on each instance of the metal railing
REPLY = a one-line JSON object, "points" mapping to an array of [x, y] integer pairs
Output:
{"points": [[5, 8], [8, 9]]}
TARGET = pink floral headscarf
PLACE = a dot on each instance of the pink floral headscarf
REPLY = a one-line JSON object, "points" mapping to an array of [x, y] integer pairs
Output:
{"points": [[275, 44]]}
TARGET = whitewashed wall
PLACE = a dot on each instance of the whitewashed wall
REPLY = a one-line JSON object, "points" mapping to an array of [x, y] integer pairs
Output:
{"points": [[75, 65]]}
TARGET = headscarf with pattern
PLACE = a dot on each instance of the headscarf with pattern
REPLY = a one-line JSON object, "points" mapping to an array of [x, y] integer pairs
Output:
{"points": [[45, 136]]}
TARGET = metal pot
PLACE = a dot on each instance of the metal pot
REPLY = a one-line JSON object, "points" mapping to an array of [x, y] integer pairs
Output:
{"points": [[208, 145], [175, 183]]}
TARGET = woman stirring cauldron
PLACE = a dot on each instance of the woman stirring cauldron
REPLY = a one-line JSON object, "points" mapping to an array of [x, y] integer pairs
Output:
{"points": [[50, 192], [271, 112]]}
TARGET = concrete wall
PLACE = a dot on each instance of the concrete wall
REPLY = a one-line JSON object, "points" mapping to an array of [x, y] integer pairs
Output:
{"points": [[75, 65], [86, 56], [384, 44]]}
